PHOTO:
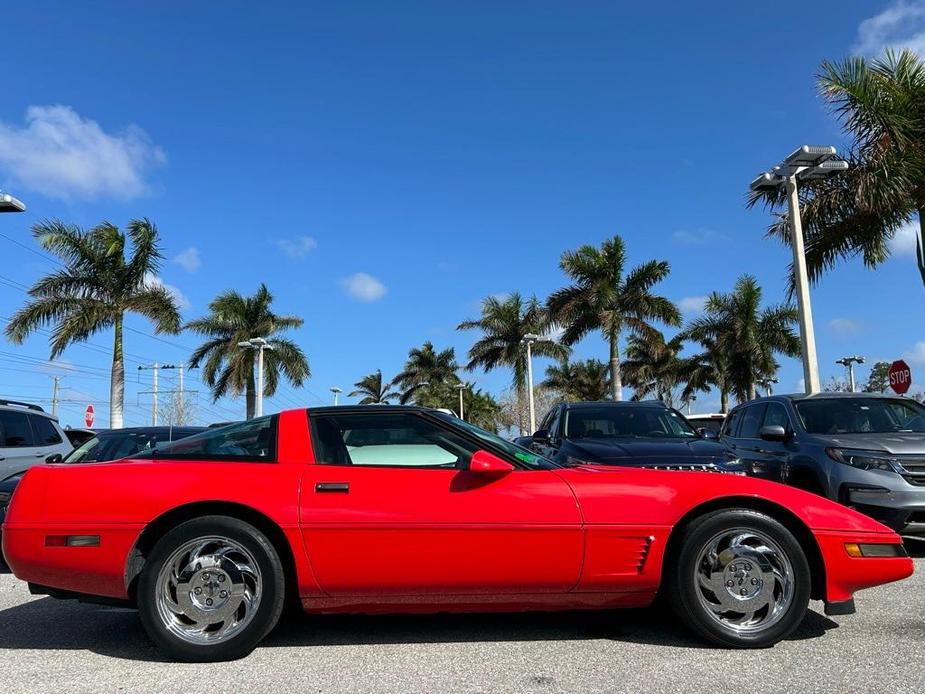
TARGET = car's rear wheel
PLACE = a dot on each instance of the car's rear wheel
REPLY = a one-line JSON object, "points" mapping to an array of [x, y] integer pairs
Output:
{"points": [[741, 579], [211, 589]]}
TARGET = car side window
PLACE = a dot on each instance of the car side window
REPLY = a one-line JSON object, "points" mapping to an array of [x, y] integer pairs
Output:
{"points": [[751, 421], [387, 440], [732, 421], [250, 441], [15, 431], [45, 432], [554, 423], [776, 415]]}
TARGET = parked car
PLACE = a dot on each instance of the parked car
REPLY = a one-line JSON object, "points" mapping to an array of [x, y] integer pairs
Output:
{"points": [[398, 509], [28, 436], [861, 449], [707, 422], [642, 434], [78, 437], [6, 491]]}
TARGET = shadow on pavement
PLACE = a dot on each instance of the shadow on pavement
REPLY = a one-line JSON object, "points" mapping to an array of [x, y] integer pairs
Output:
{"points": [[50, 624]]}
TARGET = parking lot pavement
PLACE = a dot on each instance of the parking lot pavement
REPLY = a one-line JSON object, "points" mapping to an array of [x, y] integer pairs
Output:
{"points": [[53, 646]]}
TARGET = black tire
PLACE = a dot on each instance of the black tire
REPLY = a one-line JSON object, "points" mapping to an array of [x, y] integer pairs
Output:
{"points": [[265, 616], [682, 591]]}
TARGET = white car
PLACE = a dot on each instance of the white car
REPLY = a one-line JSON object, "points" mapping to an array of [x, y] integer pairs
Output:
{"points": [[710, 421], [28, 436]]}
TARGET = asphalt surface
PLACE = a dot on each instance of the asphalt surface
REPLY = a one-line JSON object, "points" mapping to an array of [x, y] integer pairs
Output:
{"points": [[48, 645]]}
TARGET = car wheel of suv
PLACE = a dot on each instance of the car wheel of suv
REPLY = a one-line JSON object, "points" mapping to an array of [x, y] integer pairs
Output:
{"points": [[741, 579], [211, 589]]}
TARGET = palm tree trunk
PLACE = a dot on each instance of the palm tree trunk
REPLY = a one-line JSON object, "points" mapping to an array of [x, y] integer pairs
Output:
{"points": [[616, 382], [250, 394], [117, 378], [724, 400], [920, 245], [522, 407]]}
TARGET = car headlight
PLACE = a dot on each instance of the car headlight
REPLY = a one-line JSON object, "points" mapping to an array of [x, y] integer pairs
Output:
{"points": [[734, 466], [865, 460]]}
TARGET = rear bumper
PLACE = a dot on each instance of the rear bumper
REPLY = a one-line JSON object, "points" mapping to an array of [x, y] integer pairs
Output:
{"points": [[98, 570], [845, 575]]}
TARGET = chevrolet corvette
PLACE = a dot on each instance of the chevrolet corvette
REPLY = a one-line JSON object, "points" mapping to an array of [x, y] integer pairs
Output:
{"points": [[395, 509]]}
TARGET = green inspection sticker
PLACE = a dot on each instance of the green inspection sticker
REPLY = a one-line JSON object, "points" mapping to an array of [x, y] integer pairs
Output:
{"points": [[525, 458]]}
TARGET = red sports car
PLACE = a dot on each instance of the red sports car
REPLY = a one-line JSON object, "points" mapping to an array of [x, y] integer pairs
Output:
{"points": [[392, 509]]}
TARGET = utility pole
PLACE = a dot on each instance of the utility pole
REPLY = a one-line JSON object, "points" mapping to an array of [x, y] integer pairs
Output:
{"points": [[258, 344], [154, 369], [848, 363], [54, 396], [529, 340]]}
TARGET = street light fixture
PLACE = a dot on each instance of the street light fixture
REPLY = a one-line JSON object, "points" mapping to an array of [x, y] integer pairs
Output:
{"points": [[529, 340], [258, 344], [768, 384], [10, 204], [848, 363], [337, 391], [809, 162]]}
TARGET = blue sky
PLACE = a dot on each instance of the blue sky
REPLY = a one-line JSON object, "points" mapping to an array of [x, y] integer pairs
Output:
{"points": [[384, 166]]}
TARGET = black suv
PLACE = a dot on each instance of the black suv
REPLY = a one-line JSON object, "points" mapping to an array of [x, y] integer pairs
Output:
{"points": [[644, 434], [864, 450]]}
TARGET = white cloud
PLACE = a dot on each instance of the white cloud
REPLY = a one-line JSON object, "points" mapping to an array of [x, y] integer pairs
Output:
{"points": [[697, 237], [182, 302], [363, 287], [843, 326], [901, 25], [297, 247], [916, 355], [60, 154], [692, 304], [903, 242], [189, 259]]}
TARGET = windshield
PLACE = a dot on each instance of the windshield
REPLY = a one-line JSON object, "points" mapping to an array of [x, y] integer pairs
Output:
{"points": [[621, 421], [861, 416], [121, 444], [522, 454]]}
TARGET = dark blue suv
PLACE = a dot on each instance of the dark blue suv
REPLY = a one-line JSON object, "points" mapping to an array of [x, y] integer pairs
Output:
{"points": [[644, 434]]}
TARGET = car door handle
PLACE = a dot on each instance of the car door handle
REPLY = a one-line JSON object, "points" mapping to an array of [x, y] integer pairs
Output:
{"points": [[332, 487]]}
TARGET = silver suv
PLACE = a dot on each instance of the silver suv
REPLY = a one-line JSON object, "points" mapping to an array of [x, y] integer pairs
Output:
{"points": [[864, 450], [28, 436]]}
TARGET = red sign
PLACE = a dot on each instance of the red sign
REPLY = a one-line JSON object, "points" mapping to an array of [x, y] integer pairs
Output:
{"points": [[88, 416], [900, 376]]}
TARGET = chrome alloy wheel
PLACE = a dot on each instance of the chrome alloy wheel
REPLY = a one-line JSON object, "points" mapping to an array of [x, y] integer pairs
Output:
{"points": [[744, 580], [208, 590]]}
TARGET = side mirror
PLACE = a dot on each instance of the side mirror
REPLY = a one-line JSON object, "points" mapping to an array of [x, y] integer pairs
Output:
{"points": [[773, 432], [708, 434], [54, 459], [541, 436], [485, 463]]}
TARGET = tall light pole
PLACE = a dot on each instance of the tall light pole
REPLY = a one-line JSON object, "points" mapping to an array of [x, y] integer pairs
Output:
{"points": [[768, 384], [336, 391], [258, 344], [10, 204], [529, 340], [807, 163], [848, 363], [461, 387]]}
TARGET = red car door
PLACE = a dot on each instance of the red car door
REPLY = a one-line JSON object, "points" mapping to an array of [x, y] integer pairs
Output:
{"points": [[388, 509]]}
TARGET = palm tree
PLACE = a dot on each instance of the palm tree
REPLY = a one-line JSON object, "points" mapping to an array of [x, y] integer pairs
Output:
{"points": [[748, 336], [95, 290], [708, 369], [482, 409], [881, 105], [655, 367], [373, 390], [602, 298], [587, 380], [426, 370], [504, 324], [229, 369]]}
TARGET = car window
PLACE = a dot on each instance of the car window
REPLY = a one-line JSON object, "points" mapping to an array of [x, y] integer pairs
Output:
{"points": [[732, 423], [45, 432], [388, 440], [776, 415], [253, 440], [861, 415], [553, 425], [14, 430], [751, 421], [626, 421]]}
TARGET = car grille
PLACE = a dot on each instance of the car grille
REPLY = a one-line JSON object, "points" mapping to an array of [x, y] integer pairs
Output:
{"points": [[914, 470]]}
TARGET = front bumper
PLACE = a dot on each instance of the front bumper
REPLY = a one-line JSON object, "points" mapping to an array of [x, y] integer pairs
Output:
{"points": [[846, 574]]}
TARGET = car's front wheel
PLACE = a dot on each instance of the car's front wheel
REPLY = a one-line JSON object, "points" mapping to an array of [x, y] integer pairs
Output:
{"points": [[741, 579], [211, 589]]}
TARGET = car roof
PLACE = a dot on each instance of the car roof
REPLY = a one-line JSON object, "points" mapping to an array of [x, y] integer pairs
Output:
{"points": [[706, 415], [615, 403], [827, 396], [349, 409], [17, 406], [149, 430]]}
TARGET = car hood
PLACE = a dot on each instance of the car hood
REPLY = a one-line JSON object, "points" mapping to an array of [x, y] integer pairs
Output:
{"points": [[643, 451], [898, 443]]}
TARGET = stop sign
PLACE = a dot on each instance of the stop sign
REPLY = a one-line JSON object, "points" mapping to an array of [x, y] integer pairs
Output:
{"points": [[88, 416], [900, 376]]}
